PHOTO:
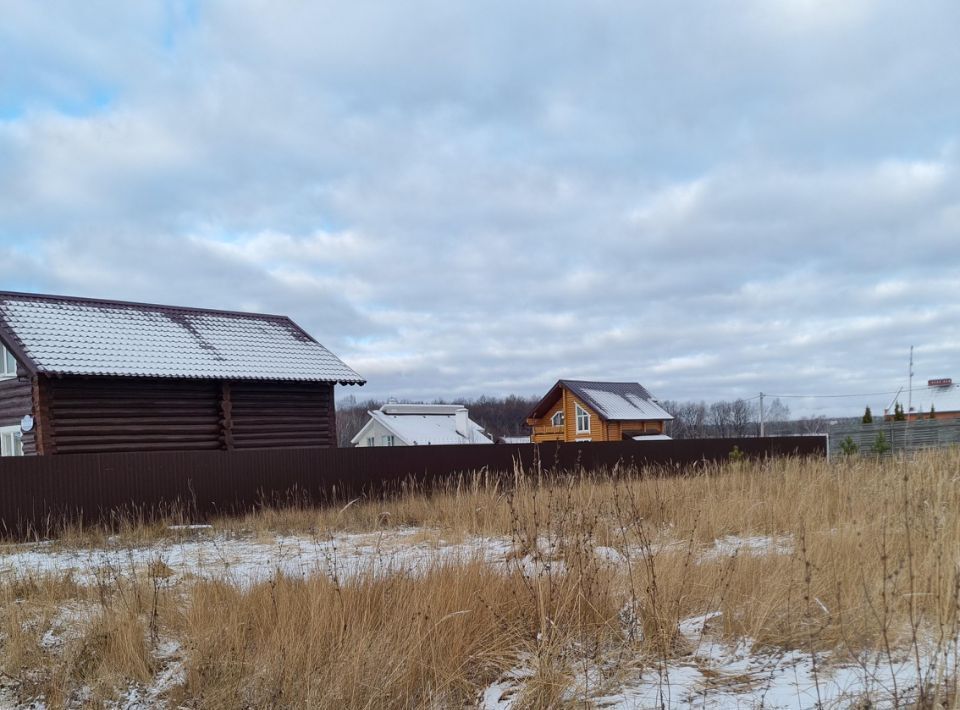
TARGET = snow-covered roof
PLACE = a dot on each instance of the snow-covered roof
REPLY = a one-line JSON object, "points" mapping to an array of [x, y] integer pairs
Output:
{"points": [[619, 400], [653, 437], [426, 424], [613, 401], [514, 439], [76, 336], [446, 409]]}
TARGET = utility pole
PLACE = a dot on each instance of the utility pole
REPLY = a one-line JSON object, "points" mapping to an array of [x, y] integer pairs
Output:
{"points": [[910, 392], [761, 415], [909, 403]]}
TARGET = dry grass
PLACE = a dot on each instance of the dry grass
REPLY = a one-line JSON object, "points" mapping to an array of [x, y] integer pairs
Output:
{"points": [[855, 555]]}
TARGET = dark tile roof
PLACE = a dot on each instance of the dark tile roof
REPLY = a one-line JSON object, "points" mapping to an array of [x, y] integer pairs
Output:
{"points": [[613, 401], [618, 400], [78, 336]]}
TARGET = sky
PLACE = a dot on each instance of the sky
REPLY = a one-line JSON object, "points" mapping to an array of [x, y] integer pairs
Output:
{"points": [[459, 199]]}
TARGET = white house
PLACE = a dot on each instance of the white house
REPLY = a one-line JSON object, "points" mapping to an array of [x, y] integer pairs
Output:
{"points": [[420, 425]]}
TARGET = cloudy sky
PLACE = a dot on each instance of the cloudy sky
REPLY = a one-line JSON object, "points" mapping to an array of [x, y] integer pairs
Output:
{"points": [[711, 198]]}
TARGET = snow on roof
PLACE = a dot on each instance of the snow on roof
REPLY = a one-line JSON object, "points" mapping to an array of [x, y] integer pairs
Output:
{"points": [[515, 439], [421, 425], [76, 336], [624, 401], [447, 409]]}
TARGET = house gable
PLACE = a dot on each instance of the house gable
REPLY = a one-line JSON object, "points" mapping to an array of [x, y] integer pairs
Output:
{"points": [[605, 424], [377, 429], [572, 430]]}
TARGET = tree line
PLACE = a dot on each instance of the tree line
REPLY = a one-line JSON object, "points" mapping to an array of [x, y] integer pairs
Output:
{"points": [[735, 418], [499, 416], [506, 416]]}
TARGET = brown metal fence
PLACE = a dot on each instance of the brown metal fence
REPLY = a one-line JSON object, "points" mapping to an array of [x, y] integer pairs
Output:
{"points": [[38, 493]]}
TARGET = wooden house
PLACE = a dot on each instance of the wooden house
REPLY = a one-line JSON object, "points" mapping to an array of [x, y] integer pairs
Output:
{"points": [[576, 410], [87, 376]]}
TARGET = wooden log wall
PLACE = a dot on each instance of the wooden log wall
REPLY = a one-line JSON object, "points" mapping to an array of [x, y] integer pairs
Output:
{"points": [[98, 415], [282, 414], [92, 415], [15, 400]]}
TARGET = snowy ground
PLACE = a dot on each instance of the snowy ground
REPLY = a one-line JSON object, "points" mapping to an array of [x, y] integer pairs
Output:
{"points": [[245, 560], [713, 674], [717, 675]]}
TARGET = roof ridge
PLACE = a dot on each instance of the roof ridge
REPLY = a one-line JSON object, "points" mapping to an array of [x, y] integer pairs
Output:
{"points": [[138, 304]]}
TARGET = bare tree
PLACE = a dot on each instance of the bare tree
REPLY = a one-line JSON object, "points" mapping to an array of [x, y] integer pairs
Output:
{"points": [[689, 419], [351, 416], [811, 425], [743, 418], [721, 416], [777, 418]]}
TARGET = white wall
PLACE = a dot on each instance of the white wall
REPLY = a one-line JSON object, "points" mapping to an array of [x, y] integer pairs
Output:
{"points": [[377, 431]]}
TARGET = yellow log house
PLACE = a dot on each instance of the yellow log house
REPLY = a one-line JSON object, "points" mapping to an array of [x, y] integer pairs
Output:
{"points": [[577, 410]]}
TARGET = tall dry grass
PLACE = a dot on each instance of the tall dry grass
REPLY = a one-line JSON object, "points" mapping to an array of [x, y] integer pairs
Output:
{"points": [[851, 557]]}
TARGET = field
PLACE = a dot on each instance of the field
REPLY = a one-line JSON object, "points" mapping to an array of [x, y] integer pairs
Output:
{"points": [[784, 583]]}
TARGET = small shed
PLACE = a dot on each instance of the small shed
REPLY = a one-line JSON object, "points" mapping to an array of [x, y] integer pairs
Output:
{"points": [[88, 376]]}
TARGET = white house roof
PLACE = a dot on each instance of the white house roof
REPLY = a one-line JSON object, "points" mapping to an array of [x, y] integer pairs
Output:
{"points": [[75, 336], [426, 424]]}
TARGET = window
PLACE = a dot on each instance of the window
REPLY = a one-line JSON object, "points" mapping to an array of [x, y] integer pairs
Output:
{"points": [[388, 440], [371, 441], [8, 368], [10, 442], [583, 420], [557, 419]]}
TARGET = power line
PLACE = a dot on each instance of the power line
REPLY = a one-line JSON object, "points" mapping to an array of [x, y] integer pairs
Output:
{"points": [[833, 396]]}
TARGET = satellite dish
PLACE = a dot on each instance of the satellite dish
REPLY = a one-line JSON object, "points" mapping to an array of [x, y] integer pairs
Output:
{"points": [[26, 424]]}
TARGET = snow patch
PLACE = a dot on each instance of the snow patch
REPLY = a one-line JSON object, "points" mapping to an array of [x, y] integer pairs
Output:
{"points": [[245, 561]]}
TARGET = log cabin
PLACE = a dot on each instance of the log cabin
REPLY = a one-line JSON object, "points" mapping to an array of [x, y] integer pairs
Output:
{"points": [[90, 376], [578, 410]]}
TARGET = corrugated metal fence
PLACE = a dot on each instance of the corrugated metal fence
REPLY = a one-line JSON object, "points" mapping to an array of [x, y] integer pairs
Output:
{"points": [[900, 436], [38, 493]]}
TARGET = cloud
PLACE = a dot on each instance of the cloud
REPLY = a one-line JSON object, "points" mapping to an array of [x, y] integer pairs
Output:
{"points": [[462, 200]]}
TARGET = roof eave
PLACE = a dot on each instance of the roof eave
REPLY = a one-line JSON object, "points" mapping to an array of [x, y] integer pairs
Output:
{"points": [[40, 370], [664, 418], [13, 344], [537, 412]]}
